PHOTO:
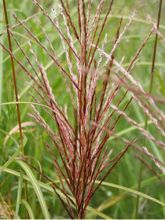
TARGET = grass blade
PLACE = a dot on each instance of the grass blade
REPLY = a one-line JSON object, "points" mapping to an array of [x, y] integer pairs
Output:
{"points": [[49, 189], [132, 191], [28, 208], [19, 193], [36, 188]]}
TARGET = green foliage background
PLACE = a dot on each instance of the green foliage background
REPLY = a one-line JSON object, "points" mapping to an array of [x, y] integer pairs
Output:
{"points": [[111, 201]]}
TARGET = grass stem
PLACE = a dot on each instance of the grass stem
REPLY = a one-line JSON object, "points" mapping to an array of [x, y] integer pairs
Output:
{"points": [[1, 55], [14, 75]]}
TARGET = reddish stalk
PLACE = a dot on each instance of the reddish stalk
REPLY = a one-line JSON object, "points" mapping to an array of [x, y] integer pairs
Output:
{"points": [[14, 76]]}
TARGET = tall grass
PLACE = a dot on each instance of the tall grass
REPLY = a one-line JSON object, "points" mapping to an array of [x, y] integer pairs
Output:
{"points": [[13, 72], [150, 91], [100, 91], [1, 57]]}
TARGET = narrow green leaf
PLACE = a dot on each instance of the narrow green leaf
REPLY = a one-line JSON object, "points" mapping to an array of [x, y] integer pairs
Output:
{"points": [[19, 193], [132, 191], [98, 213], [28, 208], [110, 202], [36, 188], [128, 190], [11, 159]]}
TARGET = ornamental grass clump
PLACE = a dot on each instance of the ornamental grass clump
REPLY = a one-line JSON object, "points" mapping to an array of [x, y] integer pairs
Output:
{"points": [[99, 89]]}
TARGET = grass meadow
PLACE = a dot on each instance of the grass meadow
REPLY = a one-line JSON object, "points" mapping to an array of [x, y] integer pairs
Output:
{"points": [[82, 130]]}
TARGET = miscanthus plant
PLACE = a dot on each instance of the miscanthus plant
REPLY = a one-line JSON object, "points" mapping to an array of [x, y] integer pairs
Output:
{"points": [[97, 84]]}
